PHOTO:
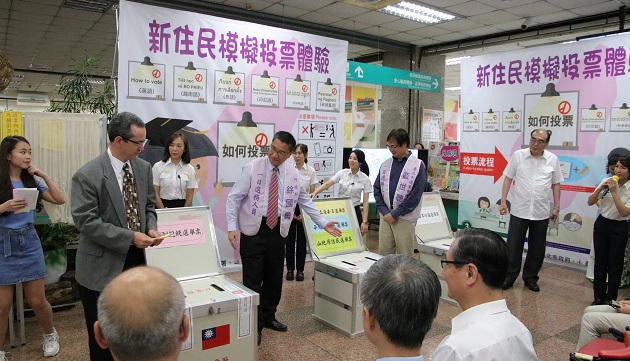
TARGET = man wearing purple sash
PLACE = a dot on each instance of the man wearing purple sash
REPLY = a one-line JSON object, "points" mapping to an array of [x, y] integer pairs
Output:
{"points": [[398, 192], [267, 185]]}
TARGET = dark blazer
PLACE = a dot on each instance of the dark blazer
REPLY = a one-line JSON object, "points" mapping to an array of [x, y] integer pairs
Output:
{"points": [[98, 210]]}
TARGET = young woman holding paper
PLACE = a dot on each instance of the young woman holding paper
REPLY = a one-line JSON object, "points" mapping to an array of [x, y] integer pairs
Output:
{"points": [[22, 258], [610, 232]]}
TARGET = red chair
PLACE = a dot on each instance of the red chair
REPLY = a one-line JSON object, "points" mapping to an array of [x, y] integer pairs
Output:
{"points": [[607, 349]]}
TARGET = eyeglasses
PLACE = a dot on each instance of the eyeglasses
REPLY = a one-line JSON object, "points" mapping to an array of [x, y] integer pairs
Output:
{"points": [[391, 147], [444, 262], [281, 153], [537, 141], [139, 143]]}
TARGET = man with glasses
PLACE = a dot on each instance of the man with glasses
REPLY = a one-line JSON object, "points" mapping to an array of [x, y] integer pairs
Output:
{"points": [[474, 269], [398, 191], [113, 206], [260, 209], [534, 171]]}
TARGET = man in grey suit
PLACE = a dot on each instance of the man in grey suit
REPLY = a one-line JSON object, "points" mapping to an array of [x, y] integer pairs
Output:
{"points": [[102, 193]]}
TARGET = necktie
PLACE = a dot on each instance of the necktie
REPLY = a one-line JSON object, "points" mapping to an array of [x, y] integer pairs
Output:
{"points": [[272, 204], [131, 200]]}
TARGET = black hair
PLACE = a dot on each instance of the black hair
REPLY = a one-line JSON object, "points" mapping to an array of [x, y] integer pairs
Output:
{"points": [[400, 136], [486, 250], [28, 180], [486, 199], [625, 161], [167, 154], [304, 149], [507, 203], [120, 125], [363, 166], [286, 138]]}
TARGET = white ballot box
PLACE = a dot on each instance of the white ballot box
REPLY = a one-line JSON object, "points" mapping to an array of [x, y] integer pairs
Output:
{"points": [[434, 236], [339, 266], [223, 313]]}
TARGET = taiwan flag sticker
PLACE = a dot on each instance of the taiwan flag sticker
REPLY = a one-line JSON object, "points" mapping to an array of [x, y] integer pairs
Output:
{"points": [[215, 337]]}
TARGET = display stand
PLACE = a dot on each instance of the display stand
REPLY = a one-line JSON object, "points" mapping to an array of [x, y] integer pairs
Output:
{"points": [[434, 236], [223, 313], [339, 265]]}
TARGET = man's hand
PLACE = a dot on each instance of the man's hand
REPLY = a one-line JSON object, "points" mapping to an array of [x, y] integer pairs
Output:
{"points": [[625, 307], [157, 237], [389, 219], [330, 228], [141, 240], [554, 215], [233, 237], [503, 208]]}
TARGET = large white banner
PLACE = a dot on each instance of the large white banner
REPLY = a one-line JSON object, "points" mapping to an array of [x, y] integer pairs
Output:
{"points": [[229, 86], [577, 90]]}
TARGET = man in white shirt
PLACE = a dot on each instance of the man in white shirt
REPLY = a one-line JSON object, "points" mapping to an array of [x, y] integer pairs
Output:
{"points": [[474, 269], [534, 171], [400, 297]]}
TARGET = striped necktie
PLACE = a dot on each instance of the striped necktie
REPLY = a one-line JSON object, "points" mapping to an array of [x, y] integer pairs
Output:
{"points": [[272, 204]]}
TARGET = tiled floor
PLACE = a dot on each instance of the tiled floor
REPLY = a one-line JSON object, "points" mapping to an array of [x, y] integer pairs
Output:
{"points": [[552, 315]]}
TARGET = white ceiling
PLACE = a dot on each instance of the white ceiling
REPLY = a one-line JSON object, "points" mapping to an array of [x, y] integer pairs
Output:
{"points": [[42, 37]]}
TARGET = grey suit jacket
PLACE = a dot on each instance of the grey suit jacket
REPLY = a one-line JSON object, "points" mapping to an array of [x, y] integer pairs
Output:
{"points": [[98, 210]]}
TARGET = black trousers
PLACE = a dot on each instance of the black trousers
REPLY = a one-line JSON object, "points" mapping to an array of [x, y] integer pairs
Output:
{"points": [[357, 210], [536, 243], [263, 266], [609, 242], [296, 236], [173, 203], [89, 299]]}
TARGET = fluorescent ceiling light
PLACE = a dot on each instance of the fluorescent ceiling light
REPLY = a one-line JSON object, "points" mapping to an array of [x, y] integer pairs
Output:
{"points": [[455, 61], [415, 12]]}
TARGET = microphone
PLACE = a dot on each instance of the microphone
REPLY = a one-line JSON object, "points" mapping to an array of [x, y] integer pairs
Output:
{"points": [[608, 190]]}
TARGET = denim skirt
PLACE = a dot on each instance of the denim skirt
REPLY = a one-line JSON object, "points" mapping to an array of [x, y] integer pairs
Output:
{"points": [[21, 257]]}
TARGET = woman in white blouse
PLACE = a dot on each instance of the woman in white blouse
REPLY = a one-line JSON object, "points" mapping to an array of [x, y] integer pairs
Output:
{"points": [[296, 256], [173, 177], [610, 232], [352, 183]]}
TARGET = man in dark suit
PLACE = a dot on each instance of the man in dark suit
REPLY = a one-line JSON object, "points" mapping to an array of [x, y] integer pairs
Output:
{"points": [[113, 206]]}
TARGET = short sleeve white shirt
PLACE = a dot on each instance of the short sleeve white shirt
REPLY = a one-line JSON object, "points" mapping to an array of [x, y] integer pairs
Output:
{"points": [[174, 179], [308, 175], [352, 185], [533, 178], [487, 332], [607, 207]]}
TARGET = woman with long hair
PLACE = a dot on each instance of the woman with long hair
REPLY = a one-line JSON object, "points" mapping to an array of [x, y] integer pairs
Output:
{"points": [[296, 256], [23, 258], [610, 232], [173, 177], [353, 182]]}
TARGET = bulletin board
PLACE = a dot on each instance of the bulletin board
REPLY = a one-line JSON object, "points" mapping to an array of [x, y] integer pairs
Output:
{"points": [[322, 243], [190, 250]]}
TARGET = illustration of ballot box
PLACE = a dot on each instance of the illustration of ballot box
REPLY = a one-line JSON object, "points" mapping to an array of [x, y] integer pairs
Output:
{"points": [[434, 236], [339, 265], [222, 312]]}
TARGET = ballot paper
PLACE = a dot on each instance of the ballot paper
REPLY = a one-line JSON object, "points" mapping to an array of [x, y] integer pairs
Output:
{"points": [[28, 194]]}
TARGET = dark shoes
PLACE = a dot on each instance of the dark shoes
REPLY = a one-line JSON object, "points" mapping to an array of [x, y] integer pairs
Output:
{"points": [[290, 275], [532, 285], [300, 276], [276, 326], [599, 301], [507, 284], [259, 337]]}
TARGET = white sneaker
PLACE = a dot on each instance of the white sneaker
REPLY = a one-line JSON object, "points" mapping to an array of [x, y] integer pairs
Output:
{"points": [[3, 357], [51, 344]]}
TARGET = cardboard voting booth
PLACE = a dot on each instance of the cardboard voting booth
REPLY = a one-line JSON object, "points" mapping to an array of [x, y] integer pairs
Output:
{"points": [[434, 236], [223, 313], [339, 265]]}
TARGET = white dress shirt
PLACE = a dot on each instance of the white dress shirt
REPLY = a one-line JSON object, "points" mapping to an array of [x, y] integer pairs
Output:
{"points": [[174, 179], [352, 185], [118, 165], [533, 179], [487, 332], [309, 177], [607, 207]]}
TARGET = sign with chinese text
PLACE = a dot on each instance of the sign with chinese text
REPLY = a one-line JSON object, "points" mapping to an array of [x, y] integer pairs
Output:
{"points": [[12, 124], [374, 74]]}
